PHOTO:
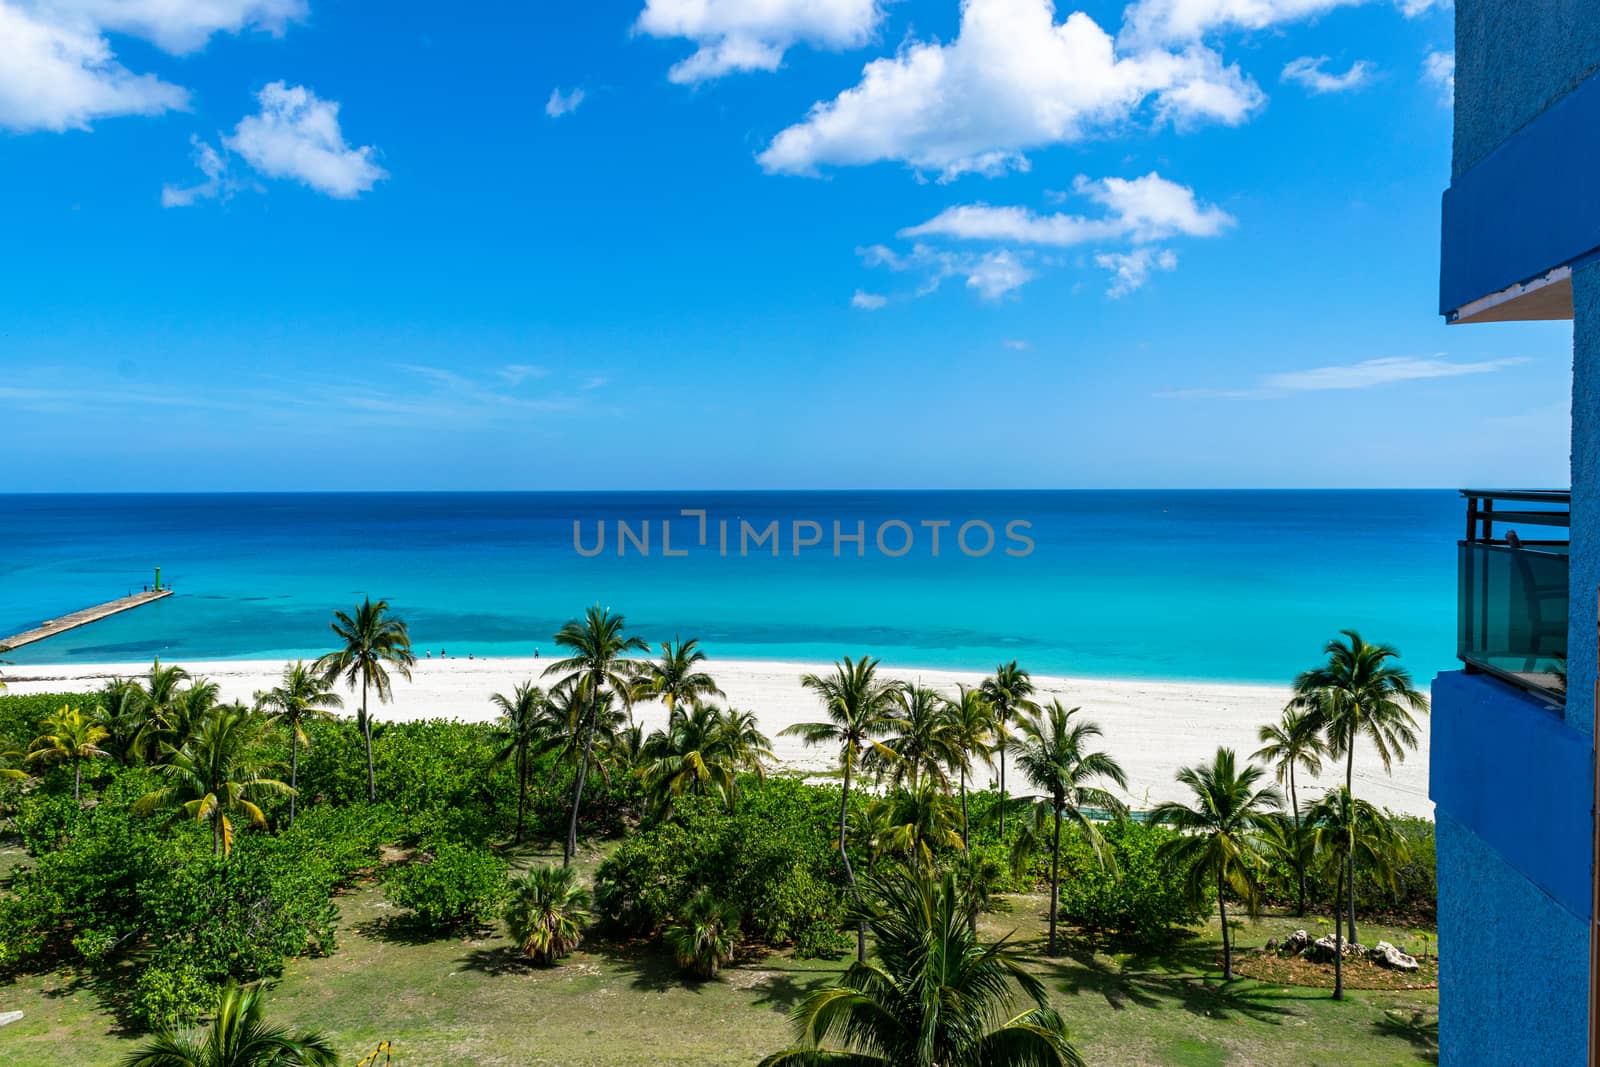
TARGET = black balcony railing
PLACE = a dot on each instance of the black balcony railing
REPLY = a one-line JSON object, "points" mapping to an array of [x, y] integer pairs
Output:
{"points": [[1512, 614]]}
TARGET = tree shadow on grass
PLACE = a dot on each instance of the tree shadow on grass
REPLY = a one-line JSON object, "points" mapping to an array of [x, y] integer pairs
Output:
{"points": [[782, 991], [407, 930], [1418, 1027], [497, 960], [1180, 974], [111, 984], [649, 967]]}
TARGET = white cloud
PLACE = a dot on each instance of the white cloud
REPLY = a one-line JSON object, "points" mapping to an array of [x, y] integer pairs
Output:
{"points": [[562, 103], [868, 301], [1130, 270], [1016, 344], [1153, 22], [991, 274], [1367, 374], [182, 26], [296, 135], [996, 274], [1013, 79], [62, 75], [517, 373], [1439, 71], [1373, 372], [1150, 208], [746, 35], [1307, 71], [1164, 21], [213, 166], [58, 71]]}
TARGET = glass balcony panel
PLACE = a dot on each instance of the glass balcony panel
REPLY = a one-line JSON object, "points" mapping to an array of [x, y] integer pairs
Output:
{"points": [[1512, 614]]}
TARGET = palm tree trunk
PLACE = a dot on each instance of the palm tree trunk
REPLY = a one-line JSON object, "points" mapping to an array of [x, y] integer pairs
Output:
{"points": [[966, 842], [77, 778], [294, 767], [1227, 947], [1299, 867], [1002, 790], [522, 788], [1055, 881], [1350, 859], [577, 790], [216, 833], [849, 872], [366, 733], [1338, 943]]}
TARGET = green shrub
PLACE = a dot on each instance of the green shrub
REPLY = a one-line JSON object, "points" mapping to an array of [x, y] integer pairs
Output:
{"points": [[774, 856], [240, 917], [1413, 899], [20, 714], [171, 996], [1145, 899], [459, 887]]}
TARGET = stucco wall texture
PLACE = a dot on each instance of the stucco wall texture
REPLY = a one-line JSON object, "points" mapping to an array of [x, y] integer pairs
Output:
{"points": [[1514, 58], [1513, 964], [1585, 563]]}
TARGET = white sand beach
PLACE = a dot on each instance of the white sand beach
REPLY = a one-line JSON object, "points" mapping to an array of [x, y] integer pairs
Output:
{"points": [[1151, 727]]}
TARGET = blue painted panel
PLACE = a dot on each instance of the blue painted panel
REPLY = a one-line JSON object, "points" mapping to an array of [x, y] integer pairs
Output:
{"points": [[1531, 205], [1584, 573], [1513, 964], [1514, 58], [1508, 768]]}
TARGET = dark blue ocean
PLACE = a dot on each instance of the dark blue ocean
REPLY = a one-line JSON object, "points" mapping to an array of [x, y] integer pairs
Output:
{"points": [[1242, 586]]}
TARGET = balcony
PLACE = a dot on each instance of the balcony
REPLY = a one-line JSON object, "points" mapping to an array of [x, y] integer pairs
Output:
{"points": [[1512, 611]]}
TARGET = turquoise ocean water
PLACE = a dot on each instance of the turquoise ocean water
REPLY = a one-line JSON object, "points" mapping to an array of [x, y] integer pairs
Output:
{"points": [[1224, 585]]}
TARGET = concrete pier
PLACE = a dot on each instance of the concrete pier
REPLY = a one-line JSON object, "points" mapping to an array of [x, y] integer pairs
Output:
{"points": [[51, 627]]}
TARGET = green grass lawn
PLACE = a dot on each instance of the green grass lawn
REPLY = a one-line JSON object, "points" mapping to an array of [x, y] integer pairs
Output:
{"points": [[466, 1002]]}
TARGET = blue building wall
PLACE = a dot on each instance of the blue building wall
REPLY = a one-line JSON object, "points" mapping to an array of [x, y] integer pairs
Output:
{"points": [[1581, 620], [1515, 869], [1513, 963], [1513, 875], [1514, 58]]}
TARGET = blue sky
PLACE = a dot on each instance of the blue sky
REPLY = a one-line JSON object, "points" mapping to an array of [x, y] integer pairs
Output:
{"points": [[276, 244]]}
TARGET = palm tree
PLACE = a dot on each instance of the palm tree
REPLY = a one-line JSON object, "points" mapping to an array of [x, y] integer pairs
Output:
{"points": [[914, 822], [704, 935], [189, 705], [935, 997], [547, 912], [676, 677], [373, 641], [303, 696], [860, 708], [161, 687], [1008, 692], [596, 665], [521, 724], [922, 742], [1359, 692], [702, 751], [1052, 753], [237, 1037], [970, 721], [215, 773], [69, 736], [1220, 835], [120, 711], [1295, 741], [1346, 830]]}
